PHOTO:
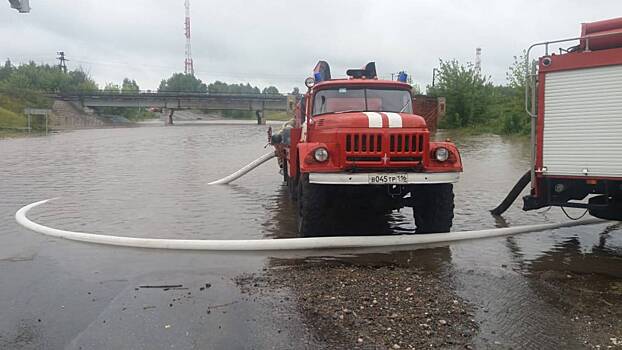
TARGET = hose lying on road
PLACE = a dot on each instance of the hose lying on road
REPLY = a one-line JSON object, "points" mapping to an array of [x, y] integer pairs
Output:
{"points": [[250, 166], [511, 197], [285, 243]]}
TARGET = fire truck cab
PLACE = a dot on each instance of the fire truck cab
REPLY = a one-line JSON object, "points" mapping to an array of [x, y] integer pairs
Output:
{"points": [[575, 100], [356, 144]]}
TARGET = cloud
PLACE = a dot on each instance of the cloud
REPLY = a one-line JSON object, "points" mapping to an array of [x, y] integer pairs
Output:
{"points": [[278, 42]]}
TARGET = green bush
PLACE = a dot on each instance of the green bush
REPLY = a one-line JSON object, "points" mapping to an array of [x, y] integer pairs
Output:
{"points": [[473, 102]]}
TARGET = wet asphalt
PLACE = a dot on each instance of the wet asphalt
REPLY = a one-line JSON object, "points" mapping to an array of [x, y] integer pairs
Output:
{"points": [[152, 182]]}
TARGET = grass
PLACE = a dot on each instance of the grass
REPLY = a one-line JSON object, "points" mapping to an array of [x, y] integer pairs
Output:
{"points": [[12, 120], [277, 116], [7, 134]]}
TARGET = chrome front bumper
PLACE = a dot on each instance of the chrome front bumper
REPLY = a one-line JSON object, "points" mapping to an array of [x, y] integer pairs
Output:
{"points": [[364, 178]]}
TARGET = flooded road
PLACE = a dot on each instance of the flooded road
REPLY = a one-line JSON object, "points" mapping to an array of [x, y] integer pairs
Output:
{"points": [[540, 290]]}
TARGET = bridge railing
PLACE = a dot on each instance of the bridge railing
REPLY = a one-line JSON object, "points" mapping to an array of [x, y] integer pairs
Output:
{"points": [[151, 93]]}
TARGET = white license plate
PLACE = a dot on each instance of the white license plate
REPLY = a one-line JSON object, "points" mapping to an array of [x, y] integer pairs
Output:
{"points": [[388, 179]]}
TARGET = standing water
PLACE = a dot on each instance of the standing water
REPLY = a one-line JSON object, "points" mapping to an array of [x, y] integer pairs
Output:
{"points": [[152, 182]]}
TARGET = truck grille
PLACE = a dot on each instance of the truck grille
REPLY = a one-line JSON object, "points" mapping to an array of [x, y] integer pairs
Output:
{"points": [[405, 143], [363, 143], [373, 147]]}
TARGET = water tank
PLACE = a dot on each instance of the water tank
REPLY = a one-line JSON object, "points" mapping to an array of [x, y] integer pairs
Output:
{"points": [[610, 26]]}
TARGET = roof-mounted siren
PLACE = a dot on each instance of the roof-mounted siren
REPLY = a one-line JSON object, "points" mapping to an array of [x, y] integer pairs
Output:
{"points": [[321, 72], [402, 77], [369, 72]]}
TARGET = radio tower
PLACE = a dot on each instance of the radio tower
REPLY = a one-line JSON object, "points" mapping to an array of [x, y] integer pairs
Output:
{"points": [[478, 59], [188, 65]]}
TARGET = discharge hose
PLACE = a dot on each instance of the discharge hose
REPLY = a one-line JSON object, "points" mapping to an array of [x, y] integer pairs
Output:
{"points": [[514, 193], [245, 170], [285, 244]]}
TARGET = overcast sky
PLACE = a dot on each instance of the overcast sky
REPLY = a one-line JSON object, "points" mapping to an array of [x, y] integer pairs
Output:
{"points": [[278, 42]]}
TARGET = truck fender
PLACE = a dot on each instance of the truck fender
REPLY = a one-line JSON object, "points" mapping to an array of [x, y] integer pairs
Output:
{"points": [[305, 149], [293, 152], [453, 164], [306, 160]]}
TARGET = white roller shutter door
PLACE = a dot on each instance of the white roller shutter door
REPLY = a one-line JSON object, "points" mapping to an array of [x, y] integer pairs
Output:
{"points": [[583, 122]]}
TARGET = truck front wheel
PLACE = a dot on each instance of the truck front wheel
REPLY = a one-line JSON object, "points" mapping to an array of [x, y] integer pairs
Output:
{"points": [[433, 208], [311, 206]]}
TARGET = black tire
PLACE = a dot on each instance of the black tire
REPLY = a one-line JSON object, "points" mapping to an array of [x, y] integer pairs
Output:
{"points": [[604, 207], [285, 172], [434, 208], [311, 207], [292, 188]]}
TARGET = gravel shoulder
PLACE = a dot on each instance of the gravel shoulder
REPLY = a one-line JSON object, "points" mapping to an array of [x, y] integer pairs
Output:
{"points": [[369, 307], [591, 304]]}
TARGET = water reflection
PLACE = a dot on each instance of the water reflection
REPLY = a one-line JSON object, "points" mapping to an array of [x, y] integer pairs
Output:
{"points": [[601, 257]]}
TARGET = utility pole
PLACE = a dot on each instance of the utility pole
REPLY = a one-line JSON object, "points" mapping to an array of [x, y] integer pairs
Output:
{"points": [[62, 61], [188, 64]]}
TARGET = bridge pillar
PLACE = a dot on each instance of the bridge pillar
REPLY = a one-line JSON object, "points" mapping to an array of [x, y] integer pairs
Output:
{"points": [[261, 117], [170, 117]]}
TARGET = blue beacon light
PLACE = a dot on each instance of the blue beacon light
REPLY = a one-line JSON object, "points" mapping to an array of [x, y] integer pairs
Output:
{"points": [[402, 77]]}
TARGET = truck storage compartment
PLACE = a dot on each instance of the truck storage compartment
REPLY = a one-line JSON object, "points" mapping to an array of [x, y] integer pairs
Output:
{"points": [[583, 122]]}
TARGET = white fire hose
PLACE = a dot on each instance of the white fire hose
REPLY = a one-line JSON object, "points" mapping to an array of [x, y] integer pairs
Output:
{"points": [[285, 243], [245, 170], [280, 244]]}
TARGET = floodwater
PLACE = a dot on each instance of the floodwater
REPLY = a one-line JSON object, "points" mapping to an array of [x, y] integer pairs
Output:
{"points": [[152, 182]]}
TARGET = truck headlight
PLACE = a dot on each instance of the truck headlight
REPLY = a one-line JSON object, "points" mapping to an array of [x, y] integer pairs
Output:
{"points": [[321, 154], [441, 154]]}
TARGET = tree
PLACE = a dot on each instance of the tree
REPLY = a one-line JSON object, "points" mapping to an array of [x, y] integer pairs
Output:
{"points": [[416, 89], [81, 81], [180, 82], [6, 70], [112, 88], [516, 73], [468, 94], [45, 78], [129, 86], [270, 90], [514, 119]]}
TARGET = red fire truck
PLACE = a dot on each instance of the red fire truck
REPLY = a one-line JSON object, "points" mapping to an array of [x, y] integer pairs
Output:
{"points": [[356, 144], [575, 100]]}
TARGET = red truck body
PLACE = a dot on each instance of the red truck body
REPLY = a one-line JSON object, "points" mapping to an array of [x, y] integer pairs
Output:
{"points": [[577, 122], [370, 145]]}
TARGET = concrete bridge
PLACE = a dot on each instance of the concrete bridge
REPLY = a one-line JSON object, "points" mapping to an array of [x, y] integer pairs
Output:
{"points": [[172, 101]]}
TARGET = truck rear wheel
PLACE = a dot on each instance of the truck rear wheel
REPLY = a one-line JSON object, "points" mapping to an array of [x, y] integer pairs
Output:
{"points": [[311, 206], [285, 172], [605, 207], [433, 208]]}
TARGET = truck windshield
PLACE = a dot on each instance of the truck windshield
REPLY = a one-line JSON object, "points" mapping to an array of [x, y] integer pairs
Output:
{"points": [[347, 99]]}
